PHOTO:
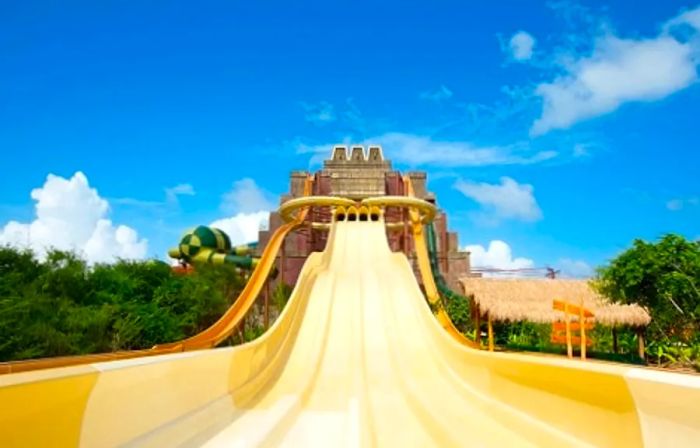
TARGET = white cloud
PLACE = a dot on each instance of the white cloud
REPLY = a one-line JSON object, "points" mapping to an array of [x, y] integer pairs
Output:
{"points": [[574, 268], [507, 200], [243, 227], [498, 256], [581, 150], [70, 215], [416, 150], [353, 117], [420, 150], [321, 152], [691, 18], [247, 197], [318, 113], [521, 46], [133, 202], [618, 71], [172, 193], [250, 206], [674, 204], [108, 243], [680, 203], [442, 93]]}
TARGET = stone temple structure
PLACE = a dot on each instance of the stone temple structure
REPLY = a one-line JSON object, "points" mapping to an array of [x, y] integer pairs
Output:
{"points": [[358, 173]]}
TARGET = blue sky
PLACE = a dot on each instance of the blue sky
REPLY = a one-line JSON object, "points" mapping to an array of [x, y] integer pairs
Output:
{"points": [[562, 129]]}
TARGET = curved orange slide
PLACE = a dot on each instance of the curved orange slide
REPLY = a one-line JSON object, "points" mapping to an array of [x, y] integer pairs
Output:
{"points": [[431, 290]]}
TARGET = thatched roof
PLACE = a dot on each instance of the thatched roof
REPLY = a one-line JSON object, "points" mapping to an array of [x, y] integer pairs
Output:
{"points": [[531, 300]]}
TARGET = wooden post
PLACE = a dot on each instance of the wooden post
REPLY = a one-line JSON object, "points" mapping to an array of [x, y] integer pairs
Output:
{"points": [[582, 329], [567, 321], [266, 318], [614, 338], [477, 324], [640, 342], [490, 332]]}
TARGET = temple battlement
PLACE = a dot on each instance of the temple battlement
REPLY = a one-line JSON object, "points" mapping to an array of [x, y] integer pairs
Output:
{"points": [[354, 155], [356, 172]]}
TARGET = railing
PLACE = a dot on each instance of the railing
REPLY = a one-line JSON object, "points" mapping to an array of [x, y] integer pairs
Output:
{"points": [[562, 332]]}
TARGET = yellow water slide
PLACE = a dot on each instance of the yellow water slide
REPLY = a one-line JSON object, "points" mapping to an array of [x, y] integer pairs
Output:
{"points": [[356, 358]]}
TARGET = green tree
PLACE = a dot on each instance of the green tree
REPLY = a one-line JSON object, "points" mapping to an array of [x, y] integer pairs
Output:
{"points": [[281, 295], [61, 306], [457, 308], [664, 277]]}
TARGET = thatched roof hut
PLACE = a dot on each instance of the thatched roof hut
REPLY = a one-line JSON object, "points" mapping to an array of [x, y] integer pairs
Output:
{"points": [[531, 300]]}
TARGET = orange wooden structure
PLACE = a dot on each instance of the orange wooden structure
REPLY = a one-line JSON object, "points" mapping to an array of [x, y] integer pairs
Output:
{"points": [[562, 331]]}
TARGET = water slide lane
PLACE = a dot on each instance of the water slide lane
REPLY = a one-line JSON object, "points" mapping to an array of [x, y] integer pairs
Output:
{"points": [[356, 358]]}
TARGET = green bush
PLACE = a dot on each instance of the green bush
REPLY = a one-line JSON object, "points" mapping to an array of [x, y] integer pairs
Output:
{"points": [[62, 306]]}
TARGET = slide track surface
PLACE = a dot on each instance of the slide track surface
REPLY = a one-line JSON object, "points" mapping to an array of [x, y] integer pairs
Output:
{"points": [[356, 358]]}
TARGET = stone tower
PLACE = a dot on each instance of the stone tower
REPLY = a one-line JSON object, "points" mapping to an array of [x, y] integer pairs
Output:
{"points": [[357, 173]]}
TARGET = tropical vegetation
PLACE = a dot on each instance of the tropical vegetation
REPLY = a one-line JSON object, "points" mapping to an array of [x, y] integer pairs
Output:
{"points": [[62, 306], [664, 277]]}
